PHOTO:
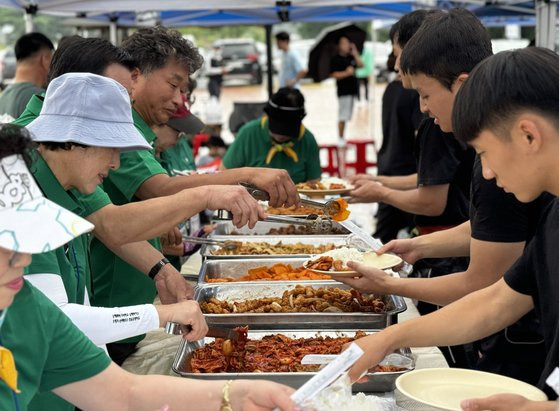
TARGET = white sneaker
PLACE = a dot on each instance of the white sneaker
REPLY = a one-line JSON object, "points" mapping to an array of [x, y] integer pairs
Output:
{"points": [[341, 143]]}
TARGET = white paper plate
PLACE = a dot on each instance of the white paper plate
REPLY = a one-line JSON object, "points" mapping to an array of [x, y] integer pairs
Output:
{"points": [[371, 259], [445, 388]]}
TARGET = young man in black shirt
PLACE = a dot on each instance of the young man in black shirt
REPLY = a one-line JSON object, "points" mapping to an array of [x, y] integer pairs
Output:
{"points": [[508, 110], [342, 68], [397, 166], [500, 224]]}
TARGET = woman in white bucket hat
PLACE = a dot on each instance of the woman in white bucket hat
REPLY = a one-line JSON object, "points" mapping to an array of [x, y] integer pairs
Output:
{"points": [[40, 349], [80, 109]]}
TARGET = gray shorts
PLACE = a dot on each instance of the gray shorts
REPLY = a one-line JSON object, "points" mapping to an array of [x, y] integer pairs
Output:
{"points": [[345, 107]]}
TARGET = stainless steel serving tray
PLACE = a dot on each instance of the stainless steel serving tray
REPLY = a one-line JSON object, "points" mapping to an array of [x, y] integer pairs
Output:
{"points": [[273, 321], [262, 228], [206, 250], [235, 268], [378, 382]]}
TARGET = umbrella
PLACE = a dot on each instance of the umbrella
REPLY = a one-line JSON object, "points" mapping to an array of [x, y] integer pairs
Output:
{"points": [[325, 48]]}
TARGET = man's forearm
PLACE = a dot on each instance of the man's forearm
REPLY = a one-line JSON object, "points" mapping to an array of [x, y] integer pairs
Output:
{"points": [[141, 255], [172, 185], [466, 320], [143, 220], [413, 201], [408, 182], [454, 242]]}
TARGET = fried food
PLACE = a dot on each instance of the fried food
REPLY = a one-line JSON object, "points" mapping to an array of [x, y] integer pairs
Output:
{"points": [[295, 230], [273, 353], [294, 210], [301, 299], [327, 263], [309, 185], [277, 272], [263, 248]]}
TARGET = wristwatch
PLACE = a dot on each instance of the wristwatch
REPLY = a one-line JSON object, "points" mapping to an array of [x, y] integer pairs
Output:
{"points": [[157, 267]]}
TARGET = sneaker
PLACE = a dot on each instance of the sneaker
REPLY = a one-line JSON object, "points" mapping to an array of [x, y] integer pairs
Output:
{"points": [[341, 143]]}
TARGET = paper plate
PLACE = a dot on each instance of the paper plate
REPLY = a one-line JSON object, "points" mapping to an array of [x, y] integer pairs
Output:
{"points": [[322, 193], [445, 388], [371, 259]]}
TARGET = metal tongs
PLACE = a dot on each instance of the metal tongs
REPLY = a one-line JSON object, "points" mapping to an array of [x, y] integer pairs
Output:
{"points": [[329, 208], [315, 222], [226, 244]]}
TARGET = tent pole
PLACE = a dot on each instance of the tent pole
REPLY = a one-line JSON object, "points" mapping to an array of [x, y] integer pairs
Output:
{"points": [[29, 12], [270, 74], [112, 32], [546, 20]]}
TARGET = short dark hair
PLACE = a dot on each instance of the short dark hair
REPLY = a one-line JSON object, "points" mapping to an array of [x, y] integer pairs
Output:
{"points": [[153, 47], [402, 31], [15, 140], [92, 55], [30, 44], [446, 45], [502, 86], [282, 36]]}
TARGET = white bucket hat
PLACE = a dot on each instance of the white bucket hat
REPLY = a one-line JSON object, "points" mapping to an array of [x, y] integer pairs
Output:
{"points": [[30, 223], [87, 109]]}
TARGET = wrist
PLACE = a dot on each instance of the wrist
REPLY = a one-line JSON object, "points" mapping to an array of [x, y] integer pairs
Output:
{"points": [[163, 313], [159, 268]]}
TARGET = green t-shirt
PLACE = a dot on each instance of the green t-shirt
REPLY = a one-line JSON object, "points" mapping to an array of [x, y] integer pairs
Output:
{"points": [[16, 96], [178, 158], [115, 282], [89, 203], [252, 144], [49, 350], [70, 261]]}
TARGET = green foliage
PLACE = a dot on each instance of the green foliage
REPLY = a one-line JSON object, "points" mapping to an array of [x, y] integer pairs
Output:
{"points": [[205, 36]]}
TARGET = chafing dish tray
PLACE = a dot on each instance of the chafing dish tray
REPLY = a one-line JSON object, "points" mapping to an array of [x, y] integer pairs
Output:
{"points": [[236, 268], [263, 228], [378, 382], [303, 320], [207, 250]]}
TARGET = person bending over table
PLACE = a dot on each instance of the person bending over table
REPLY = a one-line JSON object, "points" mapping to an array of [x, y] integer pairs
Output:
{"points": [[42, 350], [507, 110]]}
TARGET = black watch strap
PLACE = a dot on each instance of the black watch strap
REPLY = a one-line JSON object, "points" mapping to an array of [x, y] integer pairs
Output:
{"points": [[157, 267]]}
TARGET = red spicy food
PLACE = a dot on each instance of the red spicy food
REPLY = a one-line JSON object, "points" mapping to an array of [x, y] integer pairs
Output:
{"points": [[273, 353]]}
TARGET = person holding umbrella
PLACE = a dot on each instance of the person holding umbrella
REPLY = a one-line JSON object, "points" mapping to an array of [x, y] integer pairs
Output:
{"points": [[342, 68]]}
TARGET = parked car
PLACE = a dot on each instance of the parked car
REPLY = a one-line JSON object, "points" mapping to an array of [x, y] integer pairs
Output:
{"points": [[241, 58], [8, 64]]}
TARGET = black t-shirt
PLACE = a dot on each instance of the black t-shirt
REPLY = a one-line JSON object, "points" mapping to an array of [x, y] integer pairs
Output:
{"points": [[442, 159], [348, 86], [400, 120], [536, 273], [497, 216]]}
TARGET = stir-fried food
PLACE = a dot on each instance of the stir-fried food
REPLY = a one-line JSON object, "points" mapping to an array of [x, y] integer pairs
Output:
{"points": [[273, 353], [277, 272], [343, 213], [295, 230], [301, 299], [263, 248], [309, 185], [327, 263], [294, 210]]}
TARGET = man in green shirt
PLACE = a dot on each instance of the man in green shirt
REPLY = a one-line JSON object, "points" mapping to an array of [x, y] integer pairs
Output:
{"points": [[33, 55], [165, 61], [52, 354], [278, 140]]}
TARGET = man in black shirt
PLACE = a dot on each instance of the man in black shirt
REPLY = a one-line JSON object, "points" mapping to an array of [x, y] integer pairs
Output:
{"points": [[342, 68], [508, 110], [500, 227]]}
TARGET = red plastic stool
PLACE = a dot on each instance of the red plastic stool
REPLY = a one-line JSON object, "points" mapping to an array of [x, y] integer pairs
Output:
{"points": [[197, 142], [361, 163], [332, 166]]}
